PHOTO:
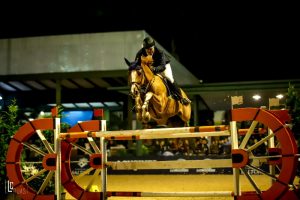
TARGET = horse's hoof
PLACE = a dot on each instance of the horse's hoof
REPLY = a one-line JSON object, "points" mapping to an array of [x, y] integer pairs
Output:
{"points": [[147, 117], [145, 107]]}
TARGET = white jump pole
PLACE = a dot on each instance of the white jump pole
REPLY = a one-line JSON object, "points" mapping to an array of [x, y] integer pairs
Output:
{"points": [[271, 143], [236, 172], [57, 147], [103, 161], [171, 164]]}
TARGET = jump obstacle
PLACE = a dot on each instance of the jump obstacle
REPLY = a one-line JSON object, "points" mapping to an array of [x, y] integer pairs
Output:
{"points": [[282, 153]]}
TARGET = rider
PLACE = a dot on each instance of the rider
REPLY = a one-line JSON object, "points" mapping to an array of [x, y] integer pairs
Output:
{"points": [[161, 65]]}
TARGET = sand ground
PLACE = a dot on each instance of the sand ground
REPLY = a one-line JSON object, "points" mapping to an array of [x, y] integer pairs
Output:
{"points": [[175, 183], [172, 183]]}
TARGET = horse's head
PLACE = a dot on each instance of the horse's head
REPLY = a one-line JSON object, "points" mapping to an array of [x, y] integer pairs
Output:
{"points": [[136, 77]]}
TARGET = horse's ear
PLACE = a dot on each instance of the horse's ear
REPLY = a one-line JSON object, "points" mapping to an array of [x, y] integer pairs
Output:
{"points": [[127, 62]]}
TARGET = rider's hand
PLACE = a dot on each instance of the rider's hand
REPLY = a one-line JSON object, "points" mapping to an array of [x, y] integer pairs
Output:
{"points": [[147, 60], [154, 69], [143, 59]]}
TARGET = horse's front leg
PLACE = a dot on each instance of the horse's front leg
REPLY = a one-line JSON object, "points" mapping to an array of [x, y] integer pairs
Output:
{"points": [[145, 113], [135, 93], [138, 107]]}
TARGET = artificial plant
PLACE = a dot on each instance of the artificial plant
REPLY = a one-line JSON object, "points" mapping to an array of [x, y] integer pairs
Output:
{"points": [[8, 126], [293, 105]]}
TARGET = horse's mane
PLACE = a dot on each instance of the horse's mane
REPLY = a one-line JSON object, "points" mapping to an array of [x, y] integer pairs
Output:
{"points": [[134, 66]]}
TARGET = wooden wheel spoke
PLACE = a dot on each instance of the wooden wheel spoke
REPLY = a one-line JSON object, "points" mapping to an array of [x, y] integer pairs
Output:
{"points": [[278, 168], [81, 148], [45, 183], [252, 182], [30, 162], [77, 161], [44, 141], [34, 176], [84, 173], [272, 176], [95, 175], [263, 172], [248, 135], [263, 159], [93, 144], [277, 145], [33, 148], [254, 146]]}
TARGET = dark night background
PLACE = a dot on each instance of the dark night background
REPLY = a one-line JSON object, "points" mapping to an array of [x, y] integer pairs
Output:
{"points": [[216, 42]]}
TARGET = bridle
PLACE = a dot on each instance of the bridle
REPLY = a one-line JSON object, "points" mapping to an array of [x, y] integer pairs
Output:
{"points": [[143, 85], [137, 84]]}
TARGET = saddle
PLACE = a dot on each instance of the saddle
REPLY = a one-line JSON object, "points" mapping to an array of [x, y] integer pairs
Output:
{"points": [[172, 91]]}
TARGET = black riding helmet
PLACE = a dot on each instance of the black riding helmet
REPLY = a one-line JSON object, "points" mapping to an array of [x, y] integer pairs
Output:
{"points": [[148, 42]]}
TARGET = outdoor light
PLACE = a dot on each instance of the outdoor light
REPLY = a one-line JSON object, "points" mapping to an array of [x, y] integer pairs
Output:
{"points": [[256, 97], [279, 96]]}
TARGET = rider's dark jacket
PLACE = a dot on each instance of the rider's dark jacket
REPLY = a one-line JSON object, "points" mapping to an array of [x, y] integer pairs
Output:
{"points": [[160, 59]]}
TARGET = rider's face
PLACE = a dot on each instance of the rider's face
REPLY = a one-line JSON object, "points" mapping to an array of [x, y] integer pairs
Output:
{"points": [[150, 51]]}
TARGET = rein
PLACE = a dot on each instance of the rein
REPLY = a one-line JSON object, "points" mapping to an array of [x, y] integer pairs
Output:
{"points": [[144, 88]]}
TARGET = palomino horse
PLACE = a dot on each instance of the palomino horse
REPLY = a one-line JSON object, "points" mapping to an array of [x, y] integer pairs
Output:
{"points": [[152, 103]]}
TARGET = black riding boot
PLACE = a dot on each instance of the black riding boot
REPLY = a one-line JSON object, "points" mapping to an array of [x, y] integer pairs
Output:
{"points": [[178, 96]]}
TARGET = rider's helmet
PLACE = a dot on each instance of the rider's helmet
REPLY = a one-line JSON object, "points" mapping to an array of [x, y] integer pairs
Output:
{"points": [[148, 42]]}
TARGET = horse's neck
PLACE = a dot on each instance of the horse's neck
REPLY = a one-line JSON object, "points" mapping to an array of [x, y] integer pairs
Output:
{"points": [[148, 73]]}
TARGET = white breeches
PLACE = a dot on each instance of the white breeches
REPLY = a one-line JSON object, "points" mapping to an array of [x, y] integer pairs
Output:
{"points": [[168, 73]]}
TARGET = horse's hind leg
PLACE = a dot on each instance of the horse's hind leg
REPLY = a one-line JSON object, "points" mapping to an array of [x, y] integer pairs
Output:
{"points": [[175, 121], [145, 113]]}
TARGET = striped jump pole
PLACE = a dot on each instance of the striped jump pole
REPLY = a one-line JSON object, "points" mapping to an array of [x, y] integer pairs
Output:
{"points": [[184, 132]]}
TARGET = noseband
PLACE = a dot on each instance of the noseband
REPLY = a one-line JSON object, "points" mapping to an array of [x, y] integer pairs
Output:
{"points": [[142, 88], [138, 84]]}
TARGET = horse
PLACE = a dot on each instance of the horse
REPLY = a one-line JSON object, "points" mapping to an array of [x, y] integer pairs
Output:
{"points": [[153, 104]]}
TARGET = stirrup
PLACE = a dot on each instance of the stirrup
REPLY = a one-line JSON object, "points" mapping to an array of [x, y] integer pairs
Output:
{"points": [[185, 101], [175, 97]]}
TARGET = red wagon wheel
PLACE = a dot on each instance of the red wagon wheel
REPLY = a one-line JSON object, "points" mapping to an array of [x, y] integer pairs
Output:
{"points": [[31, 160], [92, 163], [250, 157], [244, 157]]}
